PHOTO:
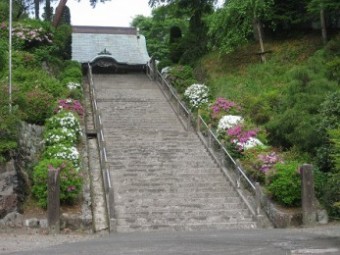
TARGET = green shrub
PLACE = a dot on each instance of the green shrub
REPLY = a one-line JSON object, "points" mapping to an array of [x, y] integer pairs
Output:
{"points": [[71, 73], [284, 185], [328, 192], [63, 40], [37, 106], [329, 123], [333, 68], [334, 135], [70, 181], [30, 79], [181, 77], [3, 54], [8, 128], [330, 111]]}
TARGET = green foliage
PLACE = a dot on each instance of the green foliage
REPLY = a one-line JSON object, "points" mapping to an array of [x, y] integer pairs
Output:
{"points": [[181, 77], [333, 68], [157, 29], [71, 73], [327, 186], [8, 127], [37, 106], [330, 111], [70, 181], [30, 79], [288, 15], [296, 122], [334, 135], [284, 184], [3, 55], [327, 128], [63, 41], [238, 17]]}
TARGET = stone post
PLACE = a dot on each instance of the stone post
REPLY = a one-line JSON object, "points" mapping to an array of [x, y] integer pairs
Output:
{"points": [[307, 195], [154, 68], [53, 202]]}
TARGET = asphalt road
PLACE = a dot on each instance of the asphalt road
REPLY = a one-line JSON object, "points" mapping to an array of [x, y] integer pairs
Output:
{"points": [[238, 242]]}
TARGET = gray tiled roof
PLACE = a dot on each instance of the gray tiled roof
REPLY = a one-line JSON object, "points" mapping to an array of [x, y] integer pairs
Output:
{"points": [[125, 48]]}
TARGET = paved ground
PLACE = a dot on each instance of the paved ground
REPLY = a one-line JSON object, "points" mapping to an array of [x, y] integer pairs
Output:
{"points": [[321, 240]]}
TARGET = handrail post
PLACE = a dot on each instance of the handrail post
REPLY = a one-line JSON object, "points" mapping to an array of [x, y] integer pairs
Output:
{"points": [[258, 198], [209, 136], [189, 121], [198, 123], [223, 155], [238, 178]]}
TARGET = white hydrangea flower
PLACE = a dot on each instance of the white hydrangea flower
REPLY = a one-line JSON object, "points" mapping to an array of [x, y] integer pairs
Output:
{"points": [[73, 85], [197, 95], [251, 143], [65, 152], [229, 121]]}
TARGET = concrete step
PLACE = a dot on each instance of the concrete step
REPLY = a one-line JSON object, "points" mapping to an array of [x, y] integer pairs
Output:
{"points": [[156, 195], [202, 217], [186, 227], [164, 171], [136, 209], [122, 201], [172, 185], [200, 179], [150, 189]]}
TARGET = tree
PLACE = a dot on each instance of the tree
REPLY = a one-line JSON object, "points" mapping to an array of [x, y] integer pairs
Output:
{"points": [[321, 7], [289, 14], [60, 9], [232, 25], [193, 43], [157, 28]]}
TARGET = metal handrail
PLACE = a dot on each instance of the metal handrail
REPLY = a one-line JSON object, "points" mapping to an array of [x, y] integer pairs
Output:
{"points": [[98, 124], [240, 170], [154, 74]]}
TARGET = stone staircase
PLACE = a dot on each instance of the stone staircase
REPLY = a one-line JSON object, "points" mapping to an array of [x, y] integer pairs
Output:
{"points": [[163, 177]]}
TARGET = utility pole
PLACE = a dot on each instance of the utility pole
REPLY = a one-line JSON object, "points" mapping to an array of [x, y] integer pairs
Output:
{"points": [[10, 56]]}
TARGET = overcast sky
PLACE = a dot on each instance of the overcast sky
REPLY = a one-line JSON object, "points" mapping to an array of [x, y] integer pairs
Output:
{"points": [[112, 13], [117, 13]]}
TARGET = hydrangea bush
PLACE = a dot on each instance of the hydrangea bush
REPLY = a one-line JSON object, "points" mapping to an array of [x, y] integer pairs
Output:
{"points": [[229, 121], [63, 151], [197, 95], [60, 135], [70, 181], [223, 106], [29, 36], [268, 161], [71, 105], [64, 119], [242, 138], [73, 85]]}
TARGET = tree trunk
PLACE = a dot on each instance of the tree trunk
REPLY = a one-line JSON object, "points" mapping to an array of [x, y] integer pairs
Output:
{"points": [[53, 201], [48, 13], [36, 8], [257, 24], [323, 25], [59, 13]]}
